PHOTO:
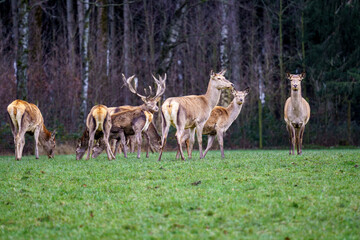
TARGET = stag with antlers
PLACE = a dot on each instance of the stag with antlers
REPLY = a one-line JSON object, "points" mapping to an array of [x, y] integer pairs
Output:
{"points": [[134, 120]]}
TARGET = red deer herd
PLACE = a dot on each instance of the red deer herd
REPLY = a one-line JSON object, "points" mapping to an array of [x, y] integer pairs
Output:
{"points": [[113, 128]]}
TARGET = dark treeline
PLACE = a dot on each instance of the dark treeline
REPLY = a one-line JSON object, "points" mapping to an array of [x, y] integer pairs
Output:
{"points": [[66, 56]]}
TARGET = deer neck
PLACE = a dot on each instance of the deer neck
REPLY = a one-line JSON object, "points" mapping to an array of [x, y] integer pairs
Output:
{"points": [[44, 135], [143, 107], [212, 95], [234, 110], [296, 98]]}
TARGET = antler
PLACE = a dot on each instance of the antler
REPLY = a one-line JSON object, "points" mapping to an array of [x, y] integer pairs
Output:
{"points": [[161, 85], [127, 82]]}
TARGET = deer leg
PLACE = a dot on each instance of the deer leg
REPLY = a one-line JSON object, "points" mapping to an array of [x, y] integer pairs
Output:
{"points": [[36, 137], [301, 135], [118, 147], [14, 133], [293, 139], [20, 138], [132, 141], [179, 135], [220, 137], [148, 148], [123, 142], [138, 141], [290, 138], [210, 142], [19, 143], [187, 143], [165, 130], [199, 130], [113, 144], [190, 142], [91, 143], [108, 148]]}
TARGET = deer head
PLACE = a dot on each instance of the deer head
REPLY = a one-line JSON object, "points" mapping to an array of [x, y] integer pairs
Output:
{"points": [[150, 102], [295, 80], [97, 150], [219, 81], [239, 96], [50, 144], [82, 144]]}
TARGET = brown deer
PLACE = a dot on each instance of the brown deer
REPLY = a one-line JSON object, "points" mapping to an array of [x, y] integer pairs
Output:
{"points": [[296, 113], [219, 122], [98, 121], [134, 120], [192, 112], [151, 135], [26, 117]]}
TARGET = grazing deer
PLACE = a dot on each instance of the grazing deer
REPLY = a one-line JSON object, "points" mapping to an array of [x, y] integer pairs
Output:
{"points": [[134, 120], [26, 117], [296, 113], [219, 122], [192, 112], [98, 121]]}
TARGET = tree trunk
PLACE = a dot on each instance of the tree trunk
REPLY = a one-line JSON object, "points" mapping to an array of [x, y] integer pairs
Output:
{"points": [[127, 46], [71, 33], [14, 11], [172, 38], [281, 62], [150, 31], [84, 23], [235, 44], [224, 60], [22, 51], [111, 53]]}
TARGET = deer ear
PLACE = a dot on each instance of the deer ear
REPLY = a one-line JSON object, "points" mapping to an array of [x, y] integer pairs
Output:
{"points": [[233, 91], [157, 99], [288, 76], [143, 99], [246, 91], [222, 72], [303, 75]]}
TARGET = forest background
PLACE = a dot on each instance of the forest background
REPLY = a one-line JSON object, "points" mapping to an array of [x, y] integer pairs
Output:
{"points": [[66, 56]]}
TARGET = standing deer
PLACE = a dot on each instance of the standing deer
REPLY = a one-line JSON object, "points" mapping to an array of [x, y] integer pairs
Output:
{"points": [[219, 122], [98, 121], [192, 112], [296, 113], [134, 120], [26, 117]]}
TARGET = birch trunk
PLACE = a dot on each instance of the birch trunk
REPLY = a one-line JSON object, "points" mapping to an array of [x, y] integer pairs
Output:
{"points": [[224, 60], [14, 11], [172, 37], [84, 24], [22, 51]]}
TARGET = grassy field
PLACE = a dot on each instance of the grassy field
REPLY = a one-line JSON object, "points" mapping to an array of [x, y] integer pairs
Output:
{"points": [[252, 194]]}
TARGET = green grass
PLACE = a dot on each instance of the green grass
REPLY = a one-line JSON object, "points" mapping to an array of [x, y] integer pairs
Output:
{"points": [[252, 194]]}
